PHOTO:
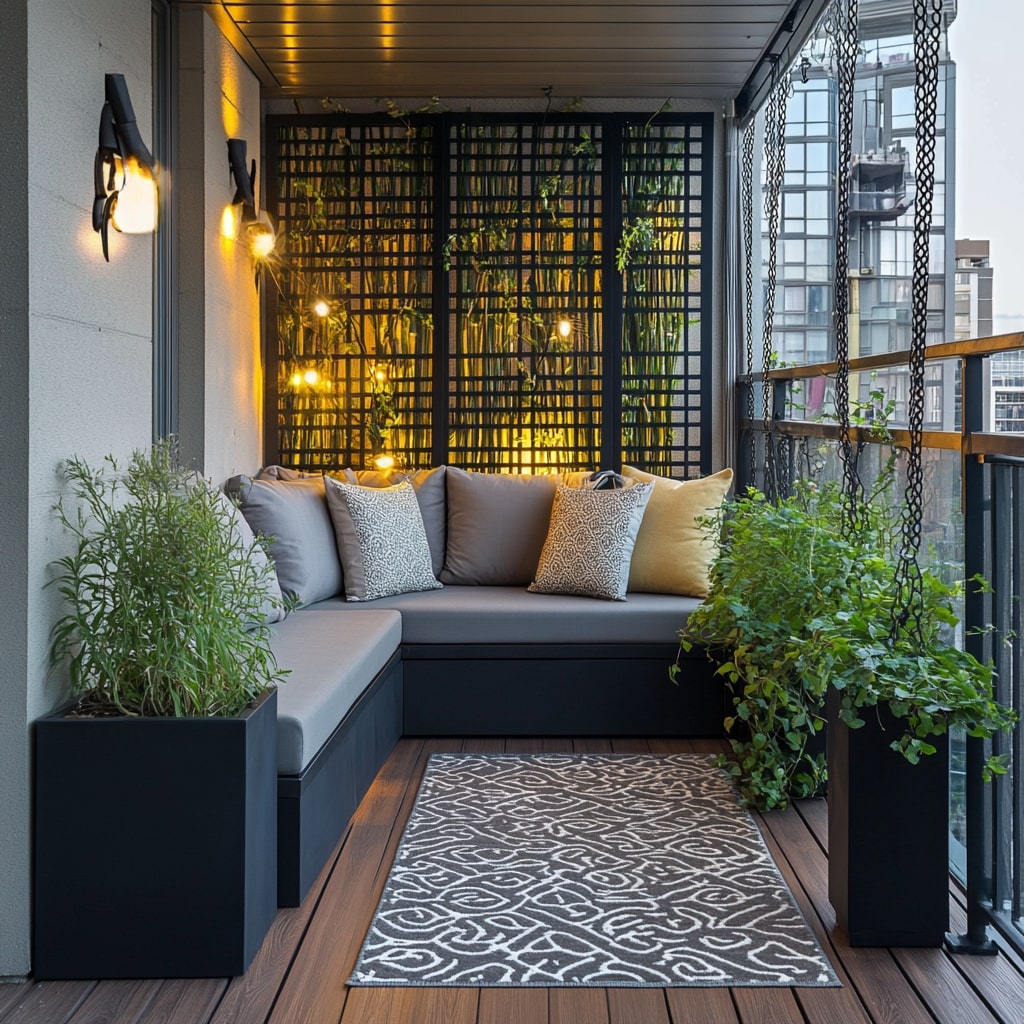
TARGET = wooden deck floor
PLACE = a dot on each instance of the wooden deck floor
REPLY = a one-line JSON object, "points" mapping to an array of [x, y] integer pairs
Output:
{"points": [[299, 975]]}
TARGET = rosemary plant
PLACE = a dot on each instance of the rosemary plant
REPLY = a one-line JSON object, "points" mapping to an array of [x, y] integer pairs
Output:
{"points": [[166, 608]]}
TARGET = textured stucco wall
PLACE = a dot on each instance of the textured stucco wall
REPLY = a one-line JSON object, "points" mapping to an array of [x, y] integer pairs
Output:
{"points": [[76, 349], [234, 383], [221, 382], [76, 354]]}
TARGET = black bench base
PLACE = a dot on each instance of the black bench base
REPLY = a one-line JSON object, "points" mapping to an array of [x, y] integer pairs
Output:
{"points": [[484, 690], [314, 808], [558, 690]]}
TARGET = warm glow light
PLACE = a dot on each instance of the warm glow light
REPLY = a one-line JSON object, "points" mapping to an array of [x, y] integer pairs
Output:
{"points": [[321, 307], [311, 377], [564, 328], [134, 209], [296, 379], [380, 376], [261, 239], [229, 222], [384, 462]]}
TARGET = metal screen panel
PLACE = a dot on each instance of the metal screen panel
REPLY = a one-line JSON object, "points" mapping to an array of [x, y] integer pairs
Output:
{"points": [[660, 255], [524, 296], [354, 374], [487, 304]]}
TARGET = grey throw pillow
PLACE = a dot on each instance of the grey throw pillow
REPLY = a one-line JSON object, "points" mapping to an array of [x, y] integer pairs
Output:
{"points": [[497, 523], [292, 514], [381, 540], [430, 493], [590, 542]]}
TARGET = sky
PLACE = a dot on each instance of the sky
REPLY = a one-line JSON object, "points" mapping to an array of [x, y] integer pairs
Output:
{"points": [[986, 41]]}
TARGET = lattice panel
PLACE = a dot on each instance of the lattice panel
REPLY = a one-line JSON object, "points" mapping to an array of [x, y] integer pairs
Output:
{"points": [[486, 304], [354, 380], [664, 380], [524, 296]]}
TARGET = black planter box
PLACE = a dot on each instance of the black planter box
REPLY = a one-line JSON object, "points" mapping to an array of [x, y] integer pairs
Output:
{"points": [[888, 834], [155, 844]]}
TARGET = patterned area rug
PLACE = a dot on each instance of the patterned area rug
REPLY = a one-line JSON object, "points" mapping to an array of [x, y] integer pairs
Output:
{"points": [[585, 869]]}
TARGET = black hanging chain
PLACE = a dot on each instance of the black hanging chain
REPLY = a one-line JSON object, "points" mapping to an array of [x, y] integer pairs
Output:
{"points": [[842, 26], [747, 227], [775, 169], [907, 609]]}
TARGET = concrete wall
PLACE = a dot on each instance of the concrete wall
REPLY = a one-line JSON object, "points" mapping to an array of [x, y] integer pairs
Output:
{"points": [[221, 383], [76, 336], [77, 353]]}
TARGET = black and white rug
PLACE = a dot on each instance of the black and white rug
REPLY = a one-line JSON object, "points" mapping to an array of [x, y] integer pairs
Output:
{"points": [[585, 869]]}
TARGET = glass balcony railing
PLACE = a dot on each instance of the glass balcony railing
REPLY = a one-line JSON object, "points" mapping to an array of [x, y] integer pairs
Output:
{"points": [[973, 525]]}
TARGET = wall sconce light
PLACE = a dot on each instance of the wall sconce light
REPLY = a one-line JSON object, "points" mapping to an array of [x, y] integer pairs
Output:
{"points": [[124, 171], [259, 234]]}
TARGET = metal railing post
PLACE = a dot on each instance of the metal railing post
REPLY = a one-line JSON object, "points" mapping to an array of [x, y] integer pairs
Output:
{"points": [[975, 940]]}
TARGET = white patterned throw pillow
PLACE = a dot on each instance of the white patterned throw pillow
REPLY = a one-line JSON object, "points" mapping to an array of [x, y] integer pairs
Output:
{"points": [[381, 540], [590, 541]]}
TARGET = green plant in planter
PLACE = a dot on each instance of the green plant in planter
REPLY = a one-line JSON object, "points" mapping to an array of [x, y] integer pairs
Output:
{"points": [[801, 599], [167, 603], [778, 566]]}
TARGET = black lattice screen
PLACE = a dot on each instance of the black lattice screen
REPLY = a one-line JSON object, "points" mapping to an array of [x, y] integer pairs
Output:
{"points": [[481, 300], [524, 296], [665, 374], [355, 205]]}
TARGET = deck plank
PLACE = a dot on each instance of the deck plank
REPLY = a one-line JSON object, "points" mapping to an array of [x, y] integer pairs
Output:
{"points": [[999, 980], [591, 745], [116, 1000], [314, 991], [707, 1005], [13, 992], [180, 1000], [767, 1006], [637, 1006], [577, 1006], [412, 1006], [942, 987], [47, 1002], [513, 1006]]}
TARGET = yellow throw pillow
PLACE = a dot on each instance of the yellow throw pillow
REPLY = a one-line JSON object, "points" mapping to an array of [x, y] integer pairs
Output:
{"points": [[672, 553]]}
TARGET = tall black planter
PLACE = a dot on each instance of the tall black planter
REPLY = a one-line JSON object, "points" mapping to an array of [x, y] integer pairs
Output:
{"points": [[155, 844], [888, 834]]}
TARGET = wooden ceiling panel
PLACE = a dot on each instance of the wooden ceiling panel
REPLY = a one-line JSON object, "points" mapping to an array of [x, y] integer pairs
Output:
{"points": [[497, 48]]}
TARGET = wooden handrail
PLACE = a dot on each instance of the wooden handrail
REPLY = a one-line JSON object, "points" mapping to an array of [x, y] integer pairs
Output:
{"points": [[945, 350]]}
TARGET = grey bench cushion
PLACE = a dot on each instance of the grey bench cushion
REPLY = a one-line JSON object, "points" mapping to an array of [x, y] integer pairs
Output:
{"points": [[333, 657], [512, 615]]}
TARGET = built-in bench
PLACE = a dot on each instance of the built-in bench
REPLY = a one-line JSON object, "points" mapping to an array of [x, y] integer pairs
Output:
{"points": [[361, 676], [480, 655]]}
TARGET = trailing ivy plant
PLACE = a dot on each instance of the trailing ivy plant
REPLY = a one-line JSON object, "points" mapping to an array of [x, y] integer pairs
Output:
{"points": [[165, 607], [801, 599]]}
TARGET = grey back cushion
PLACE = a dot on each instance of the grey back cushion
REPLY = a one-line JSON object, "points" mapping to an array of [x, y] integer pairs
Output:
{"points": [[293, 515], [244, 539], [497, 523]]}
